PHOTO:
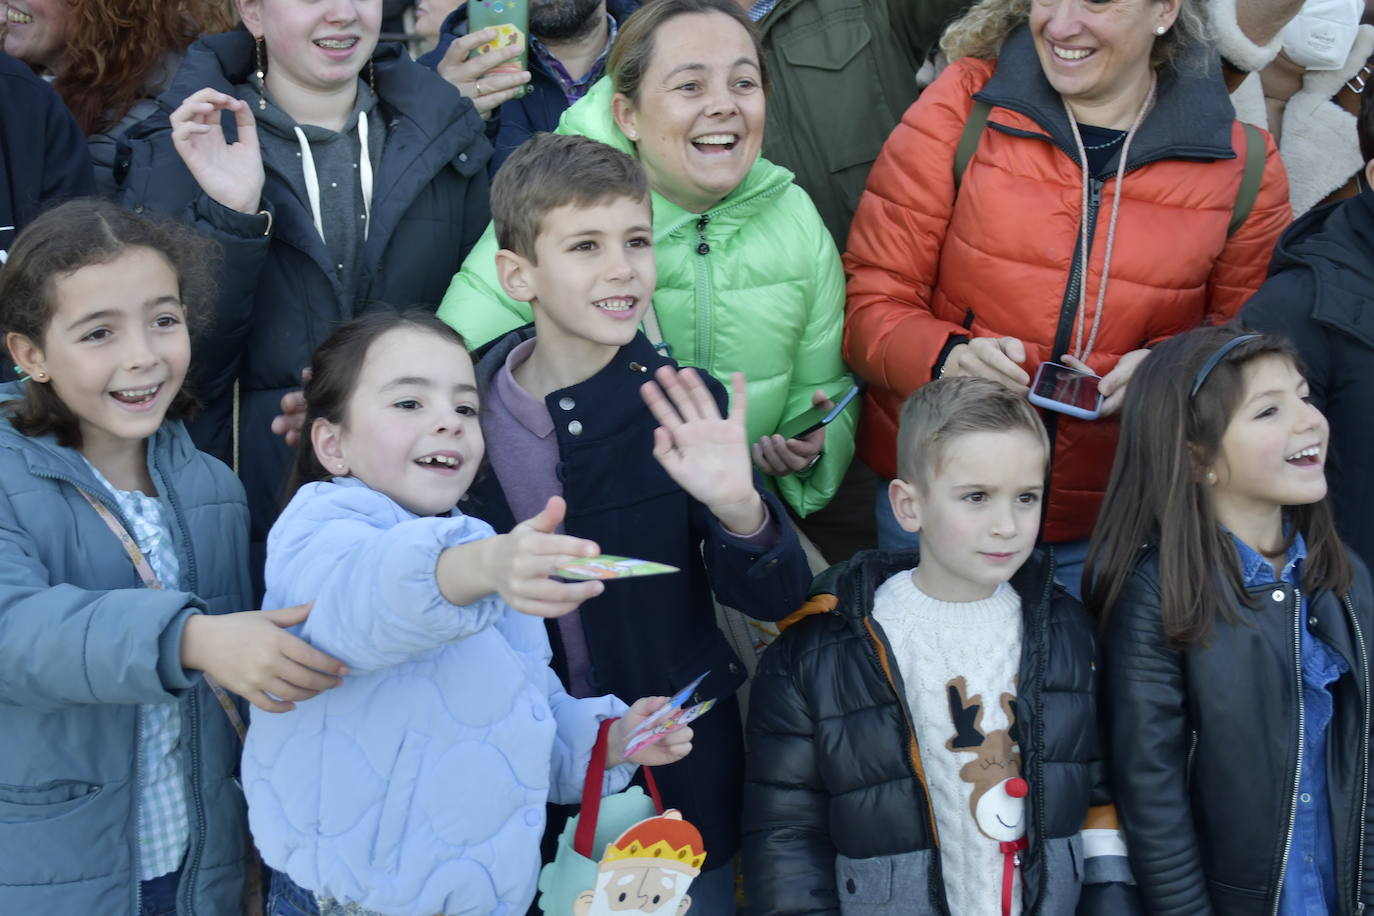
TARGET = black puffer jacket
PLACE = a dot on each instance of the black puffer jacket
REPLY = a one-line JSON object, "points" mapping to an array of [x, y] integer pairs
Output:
{"points": [[1204, 744], [1317, 295], [837, 811], [278, 296]]}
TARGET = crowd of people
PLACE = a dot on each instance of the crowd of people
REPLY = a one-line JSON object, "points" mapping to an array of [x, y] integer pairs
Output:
{"points": [[331, 364]]}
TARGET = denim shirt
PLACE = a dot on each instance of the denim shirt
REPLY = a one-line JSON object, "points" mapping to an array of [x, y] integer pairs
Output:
{"points": [[1309, 883]]}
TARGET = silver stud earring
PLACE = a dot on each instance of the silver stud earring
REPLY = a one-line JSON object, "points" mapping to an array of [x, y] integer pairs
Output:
{"points": [[1160, 30], [1211, 476]]}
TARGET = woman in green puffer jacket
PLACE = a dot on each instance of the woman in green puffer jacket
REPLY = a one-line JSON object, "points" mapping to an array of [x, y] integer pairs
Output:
{"points": [[748, 277]]}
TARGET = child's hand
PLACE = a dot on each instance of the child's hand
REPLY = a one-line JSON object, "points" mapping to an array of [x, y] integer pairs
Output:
{"points": [[230, 173], [779, 457], [671, 748], [251, 654], [705, 453], [517, 566]]}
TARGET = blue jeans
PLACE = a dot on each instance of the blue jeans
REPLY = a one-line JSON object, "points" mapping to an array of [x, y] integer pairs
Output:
{"points": [[713, 892], [1069, 558], [287, 898], [160, 895]]}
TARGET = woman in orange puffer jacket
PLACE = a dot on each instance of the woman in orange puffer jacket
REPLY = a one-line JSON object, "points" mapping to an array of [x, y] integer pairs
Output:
{"points": [[985, 279]]}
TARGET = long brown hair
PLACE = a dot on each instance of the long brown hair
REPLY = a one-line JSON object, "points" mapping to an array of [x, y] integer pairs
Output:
{"points": [[113, 49], [1158, 499]]}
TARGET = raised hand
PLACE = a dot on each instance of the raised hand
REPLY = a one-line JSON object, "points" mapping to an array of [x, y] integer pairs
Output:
{"points": [[230, 173], [473, 77], [517, 566], [251, 654], [779, 456], [705, 453]]}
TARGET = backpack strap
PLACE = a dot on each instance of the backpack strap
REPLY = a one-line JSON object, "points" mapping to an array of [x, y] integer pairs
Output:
{"points": [[1250, 181], [968, 140]]}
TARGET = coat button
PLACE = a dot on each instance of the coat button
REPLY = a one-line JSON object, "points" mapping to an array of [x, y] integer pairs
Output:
{"points": [[849, 886], [575, 427], [1277, 594], [734, 667], [567, 403], [462, 157], [532, 817], [539, 713], [1312, 621]]}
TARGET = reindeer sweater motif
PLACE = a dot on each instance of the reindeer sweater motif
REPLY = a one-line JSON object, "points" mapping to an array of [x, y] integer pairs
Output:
{"points": [[959, 662]]}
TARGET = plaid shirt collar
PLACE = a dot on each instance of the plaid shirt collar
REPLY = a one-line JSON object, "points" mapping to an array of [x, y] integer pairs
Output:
{"points": [[574, 89]]}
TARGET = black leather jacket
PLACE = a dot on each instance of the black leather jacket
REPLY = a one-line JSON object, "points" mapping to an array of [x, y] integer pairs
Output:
{"points": [[1205, 746]]}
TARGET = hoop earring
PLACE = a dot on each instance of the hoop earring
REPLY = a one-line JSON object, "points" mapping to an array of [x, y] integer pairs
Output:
{"points": [[262, 84]]}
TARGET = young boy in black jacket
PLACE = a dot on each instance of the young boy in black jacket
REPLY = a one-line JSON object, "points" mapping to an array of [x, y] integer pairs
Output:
{"points": [[924, 739], [585, 408]]}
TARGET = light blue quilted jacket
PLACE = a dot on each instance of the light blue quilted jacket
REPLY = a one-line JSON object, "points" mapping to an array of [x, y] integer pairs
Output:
{"points": [[418, 785]]}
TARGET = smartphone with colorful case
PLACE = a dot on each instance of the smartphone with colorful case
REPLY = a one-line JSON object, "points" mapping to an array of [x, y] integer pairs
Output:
{"points": [[511, 19]]}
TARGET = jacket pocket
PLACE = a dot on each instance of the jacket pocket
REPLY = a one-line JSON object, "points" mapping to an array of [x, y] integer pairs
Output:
{"points": [[864, 886], [398, 800], [831, 60], [26, 804]]}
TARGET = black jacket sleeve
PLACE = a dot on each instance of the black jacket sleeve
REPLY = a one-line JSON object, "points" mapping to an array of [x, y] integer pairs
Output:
{"points": [[788, 857], [1283, 306], [1145, 717]]}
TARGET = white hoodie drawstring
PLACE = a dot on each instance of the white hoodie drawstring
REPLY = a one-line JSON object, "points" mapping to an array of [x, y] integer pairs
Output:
{"points": [[1080, 351], [312, 180]]}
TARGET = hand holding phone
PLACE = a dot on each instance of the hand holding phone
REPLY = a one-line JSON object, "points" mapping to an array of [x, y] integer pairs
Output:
{"points": [[809, 421], [1066, 390]]}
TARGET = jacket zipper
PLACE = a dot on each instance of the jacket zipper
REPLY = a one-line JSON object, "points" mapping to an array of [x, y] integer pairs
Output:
{"points": [[703, 295], [189, 870], [1302, 737], [191, 583], [1041, 663], [139, 773], [1364, 757], [937, 883], [1188, 767], [1068, 309]]}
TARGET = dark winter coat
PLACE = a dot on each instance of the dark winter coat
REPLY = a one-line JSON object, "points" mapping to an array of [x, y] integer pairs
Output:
{"points": [[278, 298], [543, 103], [652, 636], [1205, 741], [1320, 295], [837, 810]]}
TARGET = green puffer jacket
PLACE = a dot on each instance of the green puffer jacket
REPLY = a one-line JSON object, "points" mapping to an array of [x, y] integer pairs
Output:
{"points": [[766, 298]]}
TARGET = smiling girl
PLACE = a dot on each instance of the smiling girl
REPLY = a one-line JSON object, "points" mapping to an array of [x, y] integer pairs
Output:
{"points": [[421, 788], [122, 550], [336, 173], [1237, 668]]}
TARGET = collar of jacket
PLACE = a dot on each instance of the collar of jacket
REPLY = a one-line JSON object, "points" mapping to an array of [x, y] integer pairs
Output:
{"points": [[1191, 118], [403, 90], [591, 116], [1335, 244], [633, 365], [868, 569], [171, 446]]}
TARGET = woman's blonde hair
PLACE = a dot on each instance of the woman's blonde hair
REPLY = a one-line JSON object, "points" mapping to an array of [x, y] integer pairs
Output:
{"points": [[981, 31]]}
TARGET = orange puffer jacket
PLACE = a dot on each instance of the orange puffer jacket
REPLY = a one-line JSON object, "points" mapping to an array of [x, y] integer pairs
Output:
{"points": [[928, 268]]}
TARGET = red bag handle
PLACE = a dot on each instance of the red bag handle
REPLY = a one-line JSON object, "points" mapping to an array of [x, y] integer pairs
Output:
{"points": [[591, 793]]}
